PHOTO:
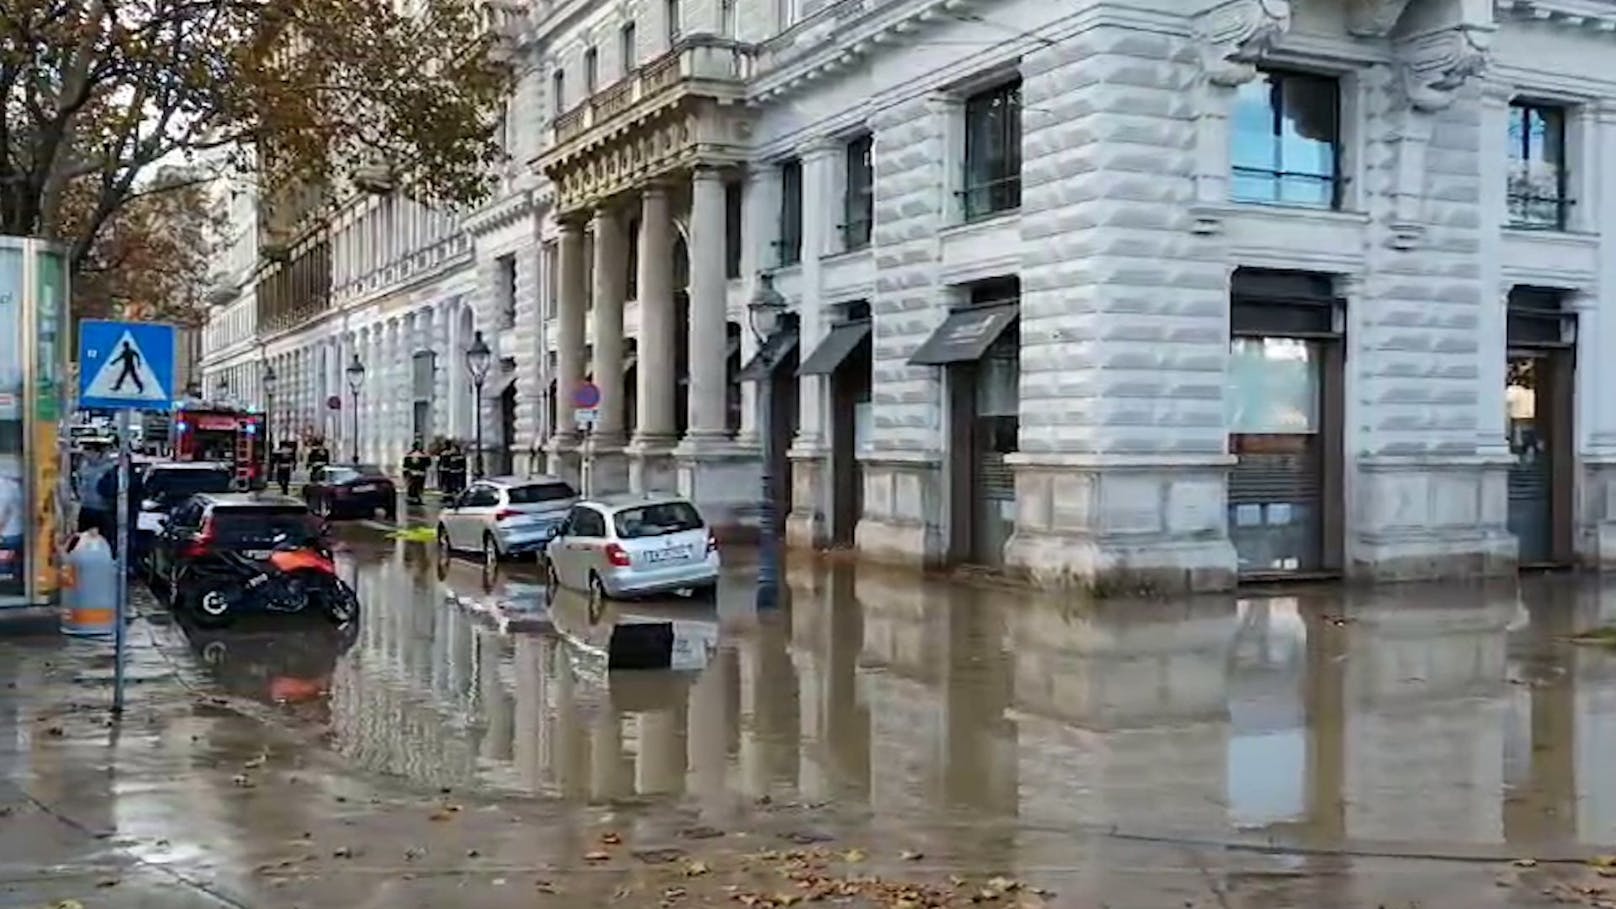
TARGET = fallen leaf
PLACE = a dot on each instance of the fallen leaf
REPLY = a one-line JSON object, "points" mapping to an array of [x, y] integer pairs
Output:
{"points": [[1526, 863], [242, 780], [342, 852], [472, 853], [659, 856], [441, 815], [498, 882], [700, 833], [696, 869], [610, 839], [1003, 884], [1603, 861], [55, 732], [109, 882], [544, 886], [854, 856], [597, 856], [258, 761], [68, 904], [909, 855]]}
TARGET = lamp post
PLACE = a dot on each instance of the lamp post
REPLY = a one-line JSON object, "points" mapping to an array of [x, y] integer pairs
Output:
{"points": [[356, 379], [763, 314], [478, 359], [268, 378]]}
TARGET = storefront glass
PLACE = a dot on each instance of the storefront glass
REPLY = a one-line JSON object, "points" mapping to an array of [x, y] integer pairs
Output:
{"points": [[1273, 402]]}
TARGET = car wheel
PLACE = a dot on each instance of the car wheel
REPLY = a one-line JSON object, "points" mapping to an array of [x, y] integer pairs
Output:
{"points": [[211, 608], [597, 598], [552, 581], [490, 551]]}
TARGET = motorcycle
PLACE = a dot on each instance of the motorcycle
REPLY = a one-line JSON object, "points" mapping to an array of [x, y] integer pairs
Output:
{"points": [[293, 578]]}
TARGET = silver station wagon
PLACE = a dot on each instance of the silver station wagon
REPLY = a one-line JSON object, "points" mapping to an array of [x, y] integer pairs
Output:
{"points": [[504, 516], [633, 545]]}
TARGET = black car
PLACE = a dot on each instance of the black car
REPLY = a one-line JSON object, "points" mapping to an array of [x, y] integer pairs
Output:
{"points": [[352, 490], [204, 526], [165, 484]]}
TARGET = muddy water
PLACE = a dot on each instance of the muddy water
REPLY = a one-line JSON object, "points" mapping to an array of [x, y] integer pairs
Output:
{"points": [[1455, 715]]}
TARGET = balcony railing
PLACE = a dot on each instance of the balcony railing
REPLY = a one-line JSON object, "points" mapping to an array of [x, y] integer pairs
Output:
{"points": [[707, 58]]}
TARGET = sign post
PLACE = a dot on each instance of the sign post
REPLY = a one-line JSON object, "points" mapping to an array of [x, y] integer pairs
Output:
{"points": [[586, 405], [124, 366]]}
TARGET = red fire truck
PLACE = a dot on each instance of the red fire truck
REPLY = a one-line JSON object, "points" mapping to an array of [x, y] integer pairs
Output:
{"points": [[222, 433]]}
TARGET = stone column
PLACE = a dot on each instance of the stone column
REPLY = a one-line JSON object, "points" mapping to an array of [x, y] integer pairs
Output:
{"points": [[1598, 454], [605, 469], [649, 466], [455, 372], [707, 309], [808, 490], [563, 448]]}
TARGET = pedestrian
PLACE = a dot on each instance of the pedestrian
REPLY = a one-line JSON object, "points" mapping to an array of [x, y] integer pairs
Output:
{"points": [[451, 469], [318, 458], [416, 464], [281, 463], [93, 506], [108, 487]]}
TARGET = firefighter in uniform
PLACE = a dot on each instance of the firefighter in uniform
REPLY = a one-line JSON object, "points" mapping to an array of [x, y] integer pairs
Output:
{"points": [[451, 469], [318, 458], [281, 462], [416, 464]]}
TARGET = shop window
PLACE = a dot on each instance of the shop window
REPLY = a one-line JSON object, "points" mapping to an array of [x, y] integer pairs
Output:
{"points": [[1537, 171], [789, 246], [858, 200], [1287, 141], [993, 151]]}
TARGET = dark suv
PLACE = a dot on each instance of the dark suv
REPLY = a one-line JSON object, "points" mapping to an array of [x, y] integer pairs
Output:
{"points": [[247, 523], [165, 485]]}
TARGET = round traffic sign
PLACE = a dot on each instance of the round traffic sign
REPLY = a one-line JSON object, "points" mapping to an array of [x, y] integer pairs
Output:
{"points": [[587, 394]]}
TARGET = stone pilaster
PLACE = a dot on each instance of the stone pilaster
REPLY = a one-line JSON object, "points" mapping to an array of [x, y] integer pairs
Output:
{"points": [[563, 448], [805, 521], [605, 469], [650, 465], [1596, 338]]}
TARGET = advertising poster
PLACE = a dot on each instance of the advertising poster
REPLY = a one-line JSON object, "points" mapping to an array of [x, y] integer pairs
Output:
{"points": [[13, 494], [50, 317]]}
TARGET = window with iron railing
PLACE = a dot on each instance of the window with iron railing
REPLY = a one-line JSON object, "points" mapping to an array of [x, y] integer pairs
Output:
{"points": [[1287, 141], [789, 246], [858, 200], [1537, 172], [992, 151]]}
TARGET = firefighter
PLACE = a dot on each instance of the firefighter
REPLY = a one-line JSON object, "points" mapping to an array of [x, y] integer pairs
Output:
{"points": [[451, 469], [281, 463], [318, 458], [416, 464]]}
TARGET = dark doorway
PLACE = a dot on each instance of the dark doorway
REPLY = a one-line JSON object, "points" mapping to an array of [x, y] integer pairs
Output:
{"points": [[1538, 399], [1284, 406], [844, 358], [505, 460]]}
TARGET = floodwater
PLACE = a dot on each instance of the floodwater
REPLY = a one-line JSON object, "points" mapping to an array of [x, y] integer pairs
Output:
{"points": [[1448, 720]]}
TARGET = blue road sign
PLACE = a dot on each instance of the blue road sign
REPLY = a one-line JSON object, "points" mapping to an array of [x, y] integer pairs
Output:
{"points": [[125, 365]]}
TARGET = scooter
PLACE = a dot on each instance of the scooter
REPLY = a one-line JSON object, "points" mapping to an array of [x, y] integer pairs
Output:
{"points": [[294, 577]]}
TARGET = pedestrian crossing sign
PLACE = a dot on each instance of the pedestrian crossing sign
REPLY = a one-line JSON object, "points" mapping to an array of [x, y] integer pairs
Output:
{"points": [[125, 365]]}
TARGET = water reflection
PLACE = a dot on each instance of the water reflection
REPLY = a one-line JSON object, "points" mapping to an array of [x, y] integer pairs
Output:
{"points": [[1451, 714]]}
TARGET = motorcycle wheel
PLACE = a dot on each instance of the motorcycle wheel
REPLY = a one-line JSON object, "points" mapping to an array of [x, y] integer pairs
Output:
{"points": [[340, 601], [211, 608]]}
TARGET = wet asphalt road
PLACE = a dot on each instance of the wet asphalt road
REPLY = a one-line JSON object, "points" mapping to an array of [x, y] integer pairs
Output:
{"points": [[1324, 747]]}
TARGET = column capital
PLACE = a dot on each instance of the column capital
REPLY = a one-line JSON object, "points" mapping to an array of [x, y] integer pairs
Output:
{"points": [[819, 147], [704, 171]]}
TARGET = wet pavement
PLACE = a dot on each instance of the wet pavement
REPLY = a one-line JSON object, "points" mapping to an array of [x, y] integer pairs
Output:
{"points": [[1407, 746]]}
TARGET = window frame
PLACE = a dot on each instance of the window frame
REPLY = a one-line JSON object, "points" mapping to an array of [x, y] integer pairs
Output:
{"points": [[1521, 155], [558, 91], [788, 221], [1003, 185], [734, 213], [591, 70], [628, 45], [1276, 78], [858, 195], [675, 15]]}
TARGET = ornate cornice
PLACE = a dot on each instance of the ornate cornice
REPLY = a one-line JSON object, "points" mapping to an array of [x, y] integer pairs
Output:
{"points": [[1238, 33], [502, 213]]}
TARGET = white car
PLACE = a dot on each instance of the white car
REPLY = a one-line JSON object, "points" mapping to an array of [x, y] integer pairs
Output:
{"points": [[633, 545], [502, 517]]}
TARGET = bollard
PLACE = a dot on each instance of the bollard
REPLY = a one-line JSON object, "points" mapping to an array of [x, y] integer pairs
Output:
{"points": [[90, 597]]}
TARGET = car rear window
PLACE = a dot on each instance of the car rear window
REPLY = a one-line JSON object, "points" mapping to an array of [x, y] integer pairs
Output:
{"points": [[656, 520], [539, 493], [173, 484], [260, 523]]}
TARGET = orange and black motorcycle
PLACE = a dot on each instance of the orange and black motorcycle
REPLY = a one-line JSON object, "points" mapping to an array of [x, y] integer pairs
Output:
{"points": [[293, 577]]}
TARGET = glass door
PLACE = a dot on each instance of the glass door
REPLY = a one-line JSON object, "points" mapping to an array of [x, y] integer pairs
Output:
{"points": [[1529, 397], [1276, 426]]}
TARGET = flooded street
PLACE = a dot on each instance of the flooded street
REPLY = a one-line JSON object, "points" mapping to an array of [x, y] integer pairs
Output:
{"points": [[1327, 747]]}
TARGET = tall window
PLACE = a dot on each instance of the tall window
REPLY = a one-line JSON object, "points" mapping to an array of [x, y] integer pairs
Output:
{"points": [[1537, 171], [558, 92], [551, 260], [1287, 141], [993, 151], [506, 266], [726, 18], [790, 242], [858, 200], [732, 229], [591, 70], [631, 283], [630, 48], [674, 25]]}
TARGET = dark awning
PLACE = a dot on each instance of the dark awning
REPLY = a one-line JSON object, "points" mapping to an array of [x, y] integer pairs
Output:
{"points": [[965, 335], [769, 356], [835, 349]]}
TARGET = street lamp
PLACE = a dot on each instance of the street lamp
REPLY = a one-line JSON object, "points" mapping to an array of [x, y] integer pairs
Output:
{"points": [[478, 359], [356, 378], [763, 314], [268, 378]]}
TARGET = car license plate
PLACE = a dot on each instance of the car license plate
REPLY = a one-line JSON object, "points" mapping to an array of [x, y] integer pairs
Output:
{"points": [[365, 487], [257, 553], [668, 555]]}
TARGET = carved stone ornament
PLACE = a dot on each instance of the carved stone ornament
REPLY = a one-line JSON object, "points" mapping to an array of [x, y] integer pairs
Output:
{"points": [[1373, 18], [1435, 65], [1238, 33]]}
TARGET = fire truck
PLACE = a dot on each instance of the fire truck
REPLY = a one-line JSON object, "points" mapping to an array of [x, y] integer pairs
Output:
{"points": [[202, 431]]}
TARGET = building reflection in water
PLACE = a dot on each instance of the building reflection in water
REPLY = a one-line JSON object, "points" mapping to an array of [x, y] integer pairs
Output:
{"points": [[1311, 716]]}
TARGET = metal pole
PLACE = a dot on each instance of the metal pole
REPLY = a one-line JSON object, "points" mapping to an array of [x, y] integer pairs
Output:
{"points": [[479, 417], [269, 422], [768, 582], [121, 610], [355, 443]]}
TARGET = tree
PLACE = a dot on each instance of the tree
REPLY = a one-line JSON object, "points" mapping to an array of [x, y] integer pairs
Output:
{"points": [[98, 94]]}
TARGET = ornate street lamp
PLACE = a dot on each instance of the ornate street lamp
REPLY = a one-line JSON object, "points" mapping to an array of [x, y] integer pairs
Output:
{"points": [[764, 315], [268, 378], [478, 360], [356, 380]]}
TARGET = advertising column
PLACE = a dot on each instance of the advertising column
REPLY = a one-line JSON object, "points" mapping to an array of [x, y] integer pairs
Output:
{"points": [[13, 492]]}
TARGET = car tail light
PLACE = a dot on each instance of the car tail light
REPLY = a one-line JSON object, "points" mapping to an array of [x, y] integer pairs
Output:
{"points": [[712, 542], [505, 514], [616, 555], [204, 539]]}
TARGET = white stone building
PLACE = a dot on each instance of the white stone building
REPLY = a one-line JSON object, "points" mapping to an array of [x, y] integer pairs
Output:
{"points": [[230, 361], [1150, 294]]}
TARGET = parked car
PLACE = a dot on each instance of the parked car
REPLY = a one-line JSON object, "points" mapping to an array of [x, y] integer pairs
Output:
{"points": [[504, 516], [352, 490], [204, 531], [633, 545], [165, 485]]}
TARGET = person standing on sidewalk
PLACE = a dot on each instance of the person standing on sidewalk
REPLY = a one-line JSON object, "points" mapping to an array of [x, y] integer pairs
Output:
{"points": [[416, 464], [318, 459], [281, 463], [94, 509], [451, 469]]}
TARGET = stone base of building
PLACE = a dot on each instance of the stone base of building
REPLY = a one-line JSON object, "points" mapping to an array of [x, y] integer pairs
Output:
{"points": [[604, 468], [723, 479], [1122, 526], [904, 499], [1596, 535], [808, 524], [651, 466], [1420, 519], [563, 459]]}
